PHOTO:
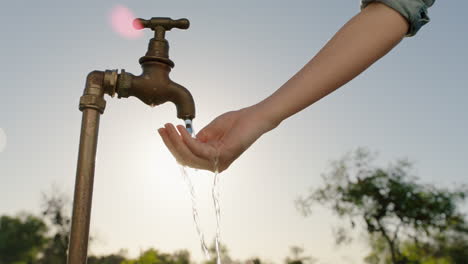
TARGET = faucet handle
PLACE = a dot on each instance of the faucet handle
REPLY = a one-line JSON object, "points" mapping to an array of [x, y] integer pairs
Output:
{"points": [[158, 48], [165, 22]]}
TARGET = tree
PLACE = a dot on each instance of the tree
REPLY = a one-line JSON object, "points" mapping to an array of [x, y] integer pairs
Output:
{"points": [[297, 256], [56, 214], [153, 256], [450, 246], [109, 259], [21, 239], [257, 260], [254, 261], [223, 252], [389, 202], [181, 257]]}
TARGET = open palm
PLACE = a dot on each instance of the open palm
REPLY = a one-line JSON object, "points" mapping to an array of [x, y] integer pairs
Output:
{"points": [[218, 144]]}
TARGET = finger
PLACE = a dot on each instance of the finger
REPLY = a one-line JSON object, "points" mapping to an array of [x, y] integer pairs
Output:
{"points": [[172, 142], [167, 141], [205, 151], [200, 149], [186, 157]]}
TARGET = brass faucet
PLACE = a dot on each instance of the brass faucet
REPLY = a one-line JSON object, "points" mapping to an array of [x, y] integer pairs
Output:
{"points": [[153, 87]]}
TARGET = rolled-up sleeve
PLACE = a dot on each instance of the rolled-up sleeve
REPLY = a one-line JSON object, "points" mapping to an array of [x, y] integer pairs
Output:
{"points": [[415, 11]]}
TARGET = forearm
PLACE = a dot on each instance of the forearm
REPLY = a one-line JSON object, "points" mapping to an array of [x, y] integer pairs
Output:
{"points": [[363, 40]]}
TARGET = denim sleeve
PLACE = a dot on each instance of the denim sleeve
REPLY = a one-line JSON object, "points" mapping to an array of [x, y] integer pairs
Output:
{"points": [[415, 11]]}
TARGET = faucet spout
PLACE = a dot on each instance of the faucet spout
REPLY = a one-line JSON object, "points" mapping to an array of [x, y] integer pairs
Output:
{"points": [[183, 100], [154, 87]]}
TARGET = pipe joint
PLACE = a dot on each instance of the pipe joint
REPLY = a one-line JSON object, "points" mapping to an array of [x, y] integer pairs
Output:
{"points": [[92, 101], [110, 82], [93, 95], [124, 84]]}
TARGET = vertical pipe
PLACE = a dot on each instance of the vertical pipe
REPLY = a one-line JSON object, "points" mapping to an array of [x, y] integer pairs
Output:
{"points": [[84, 187]]}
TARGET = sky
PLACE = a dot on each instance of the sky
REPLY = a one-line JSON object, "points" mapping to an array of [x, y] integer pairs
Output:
{"points": [[410, 104]]}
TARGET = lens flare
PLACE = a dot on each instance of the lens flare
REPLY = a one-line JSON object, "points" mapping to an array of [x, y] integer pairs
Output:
{"points": [[122, 22]]}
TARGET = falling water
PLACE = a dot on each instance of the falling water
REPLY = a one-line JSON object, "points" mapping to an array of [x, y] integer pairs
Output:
{"points": [[195, 211], [189, 127], [215, 196]]}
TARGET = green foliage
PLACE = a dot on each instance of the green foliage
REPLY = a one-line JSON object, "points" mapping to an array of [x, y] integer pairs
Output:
{"points": [[21, 239], [255, 261], [153, 256], [110, 259], [181, 257], [379, 253], [416, 254], [56, 214], [447, 247], [30, 239], [223, 252], [297, 256], [389, 202], [447, 250]]}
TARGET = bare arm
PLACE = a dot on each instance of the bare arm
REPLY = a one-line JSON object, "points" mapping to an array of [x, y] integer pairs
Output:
{"points": [[363, 40]]}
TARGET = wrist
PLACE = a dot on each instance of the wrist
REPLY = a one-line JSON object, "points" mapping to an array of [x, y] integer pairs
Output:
{"points": [[263, 115]]}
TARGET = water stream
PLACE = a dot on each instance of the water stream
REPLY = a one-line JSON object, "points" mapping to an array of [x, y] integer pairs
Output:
{"points": [[189, 184], [215, 196]]}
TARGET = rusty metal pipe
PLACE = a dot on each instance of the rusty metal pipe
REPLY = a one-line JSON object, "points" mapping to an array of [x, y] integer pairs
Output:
{"points": [[92, 104]]}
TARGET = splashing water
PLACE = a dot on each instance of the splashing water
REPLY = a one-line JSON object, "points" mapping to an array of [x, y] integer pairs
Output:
{"points": [[121, 20], [215, 196]]}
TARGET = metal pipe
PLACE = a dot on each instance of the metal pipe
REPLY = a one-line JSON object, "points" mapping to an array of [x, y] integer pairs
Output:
{"points": [[92, 104], [84, 188]]}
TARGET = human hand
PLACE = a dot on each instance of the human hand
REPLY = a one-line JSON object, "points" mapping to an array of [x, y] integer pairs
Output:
{"points": [[218, 144]]}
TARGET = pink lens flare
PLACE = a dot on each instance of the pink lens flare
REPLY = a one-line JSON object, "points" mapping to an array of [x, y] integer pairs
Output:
{"points": [[122, 21]]}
